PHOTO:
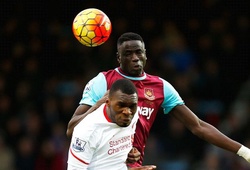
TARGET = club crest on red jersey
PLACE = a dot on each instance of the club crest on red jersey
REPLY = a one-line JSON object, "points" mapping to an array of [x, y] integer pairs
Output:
{"points": [[149, 93]]}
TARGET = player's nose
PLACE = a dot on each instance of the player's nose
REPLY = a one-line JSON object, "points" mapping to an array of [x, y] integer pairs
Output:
{"points": [[135, 57], [127, 111]]}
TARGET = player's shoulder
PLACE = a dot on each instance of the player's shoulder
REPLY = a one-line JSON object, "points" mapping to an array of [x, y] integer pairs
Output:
{"points": [[91, 122], [154, 78], [158, 80], [86, 128], [109, 74], [108, 71]]}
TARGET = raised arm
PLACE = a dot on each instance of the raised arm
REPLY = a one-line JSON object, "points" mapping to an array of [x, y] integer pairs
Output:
{"points": [[208, 132], [81, 112], [204, 130]]}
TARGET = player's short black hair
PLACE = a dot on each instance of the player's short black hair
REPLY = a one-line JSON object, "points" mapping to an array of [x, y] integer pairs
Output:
{"points": [[128, 36], [126, 86]]}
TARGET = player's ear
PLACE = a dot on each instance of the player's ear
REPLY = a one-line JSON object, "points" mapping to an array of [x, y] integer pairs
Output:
{"points": [[118, 57], [107, 102]]}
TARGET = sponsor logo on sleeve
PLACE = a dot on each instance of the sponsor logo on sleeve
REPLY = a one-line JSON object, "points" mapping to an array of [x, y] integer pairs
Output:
{"points": [[88, 86], [78, 145]]}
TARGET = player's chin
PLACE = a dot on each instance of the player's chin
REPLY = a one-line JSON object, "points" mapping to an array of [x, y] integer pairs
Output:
{"points": [[124, 123], [136, 71]]}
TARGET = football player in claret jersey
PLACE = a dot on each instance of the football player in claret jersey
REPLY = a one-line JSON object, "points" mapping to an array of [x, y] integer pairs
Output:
{"points": [[154, 93], [104, 138]]}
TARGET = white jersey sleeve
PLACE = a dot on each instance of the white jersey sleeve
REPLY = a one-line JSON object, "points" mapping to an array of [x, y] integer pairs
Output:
{"points": [[83, 145], [94, 90], [171, 97], [98, 144], [72, 167]]}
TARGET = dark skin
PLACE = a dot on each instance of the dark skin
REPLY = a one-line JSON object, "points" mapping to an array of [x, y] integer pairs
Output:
{"points": [[121, 108], [132, 58]]}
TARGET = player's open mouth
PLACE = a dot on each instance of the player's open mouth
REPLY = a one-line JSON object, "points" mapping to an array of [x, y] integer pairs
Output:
{"points": [[137, 66]]}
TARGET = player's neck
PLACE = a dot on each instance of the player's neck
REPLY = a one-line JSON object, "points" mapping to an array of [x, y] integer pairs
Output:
{"points": [[126, 74], [107, 113]]}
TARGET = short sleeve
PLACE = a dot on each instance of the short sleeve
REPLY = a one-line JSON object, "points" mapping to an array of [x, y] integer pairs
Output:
{"points": [[94, 90], [171, 97], [82, 147]]}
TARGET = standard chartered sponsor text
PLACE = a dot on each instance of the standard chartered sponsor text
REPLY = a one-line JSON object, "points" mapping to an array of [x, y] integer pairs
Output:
{"points": [[119, 144]]}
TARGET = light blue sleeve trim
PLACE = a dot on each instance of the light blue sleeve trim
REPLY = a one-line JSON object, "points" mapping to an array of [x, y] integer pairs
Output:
{"points": [[94, 90], [171, 97]]}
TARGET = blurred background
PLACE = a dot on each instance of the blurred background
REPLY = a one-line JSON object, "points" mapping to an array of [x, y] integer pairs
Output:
{"points": [[200, 47]]}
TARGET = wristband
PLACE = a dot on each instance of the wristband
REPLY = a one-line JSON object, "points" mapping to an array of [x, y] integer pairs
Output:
{"points": [[244, 152]]}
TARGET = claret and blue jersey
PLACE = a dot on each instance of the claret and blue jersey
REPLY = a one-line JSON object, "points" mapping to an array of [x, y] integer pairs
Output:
{"points": [[154, 93]]}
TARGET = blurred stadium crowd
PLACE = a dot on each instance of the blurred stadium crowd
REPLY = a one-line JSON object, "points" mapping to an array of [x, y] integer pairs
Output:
{"points": [[200, 47]]}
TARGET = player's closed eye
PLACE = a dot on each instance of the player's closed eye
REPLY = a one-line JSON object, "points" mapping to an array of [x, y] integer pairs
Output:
{"points": [[133, 107], [139, 52], [130, 53]]}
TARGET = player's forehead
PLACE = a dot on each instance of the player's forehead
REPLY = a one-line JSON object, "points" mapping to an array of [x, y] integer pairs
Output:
{"points": [[125, 98], [131, 45]]}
